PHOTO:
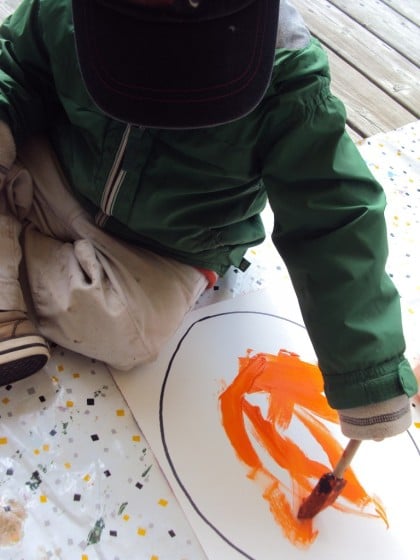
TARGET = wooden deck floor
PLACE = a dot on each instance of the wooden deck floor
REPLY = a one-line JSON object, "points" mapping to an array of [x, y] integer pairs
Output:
{"points": [[374, 51]]}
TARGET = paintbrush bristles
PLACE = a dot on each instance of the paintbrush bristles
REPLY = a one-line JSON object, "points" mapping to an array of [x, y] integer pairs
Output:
{"points": [[324, 494], [329, 485]]}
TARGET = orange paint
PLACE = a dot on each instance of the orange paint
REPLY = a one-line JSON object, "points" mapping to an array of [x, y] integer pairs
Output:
{"points": [[293, 389]]}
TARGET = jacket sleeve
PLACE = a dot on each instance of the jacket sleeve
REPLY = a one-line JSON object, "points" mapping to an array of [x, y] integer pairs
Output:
{"points": [[330, 230], [27, 97]]}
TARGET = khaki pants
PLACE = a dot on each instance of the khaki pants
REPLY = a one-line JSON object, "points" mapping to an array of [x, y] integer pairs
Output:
{"points": [[90, 292]]}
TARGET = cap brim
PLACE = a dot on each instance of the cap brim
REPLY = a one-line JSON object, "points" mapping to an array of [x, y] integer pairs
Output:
{"points": [[176, 75]]}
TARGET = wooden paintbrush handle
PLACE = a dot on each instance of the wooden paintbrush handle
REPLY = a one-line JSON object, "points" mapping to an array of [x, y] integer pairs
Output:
{"points": [[346, 458]]}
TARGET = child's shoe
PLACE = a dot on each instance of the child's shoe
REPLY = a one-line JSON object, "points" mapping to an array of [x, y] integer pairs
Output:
{"points": [[23, 351]]}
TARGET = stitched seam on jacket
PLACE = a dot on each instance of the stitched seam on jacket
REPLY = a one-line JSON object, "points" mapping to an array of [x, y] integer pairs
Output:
{"points": [[380, 419]]}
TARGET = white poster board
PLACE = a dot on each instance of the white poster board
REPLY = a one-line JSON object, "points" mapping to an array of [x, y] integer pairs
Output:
{"points": [[176, 403]]}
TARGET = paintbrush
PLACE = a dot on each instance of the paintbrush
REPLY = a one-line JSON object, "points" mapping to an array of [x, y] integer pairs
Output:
{"points": [[329, 486]]}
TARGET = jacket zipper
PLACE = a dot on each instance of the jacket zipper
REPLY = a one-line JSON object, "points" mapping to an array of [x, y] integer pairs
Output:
{"points": [[113, 183]]}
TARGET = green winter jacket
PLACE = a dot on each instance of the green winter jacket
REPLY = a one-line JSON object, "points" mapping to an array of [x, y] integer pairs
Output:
{"points": [[196, 195]]}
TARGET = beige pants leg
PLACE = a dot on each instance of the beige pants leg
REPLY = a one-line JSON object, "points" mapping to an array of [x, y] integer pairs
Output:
{"points": [[11, 297], [91, 292]]}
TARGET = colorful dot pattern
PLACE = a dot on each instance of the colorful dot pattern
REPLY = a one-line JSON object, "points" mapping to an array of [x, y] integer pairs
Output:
{"points": [[84, 475], [394, 159]]}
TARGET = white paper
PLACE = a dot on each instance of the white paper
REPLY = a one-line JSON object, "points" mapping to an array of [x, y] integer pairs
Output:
{"points": [[175, 402]]}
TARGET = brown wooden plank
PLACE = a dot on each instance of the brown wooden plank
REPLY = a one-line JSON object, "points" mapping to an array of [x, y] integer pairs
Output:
{"points": [[380, 63], [7, 7], [408, 8], [3, 12], [354, 135], [369, 109], [394, 29]]}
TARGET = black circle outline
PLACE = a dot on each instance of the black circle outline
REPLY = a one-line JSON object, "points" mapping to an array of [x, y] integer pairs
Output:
{"points": [[162, 430]]}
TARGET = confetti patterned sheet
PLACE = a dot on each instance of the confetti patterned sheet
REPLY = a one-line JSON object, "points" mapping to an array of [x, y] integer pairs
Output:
{"points": [[78, 481], [394, 158]]}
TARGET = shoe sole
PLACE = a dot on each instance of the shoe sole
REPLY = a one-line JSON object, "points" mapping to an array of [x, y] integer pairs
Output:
{"points": [[21, 357]]}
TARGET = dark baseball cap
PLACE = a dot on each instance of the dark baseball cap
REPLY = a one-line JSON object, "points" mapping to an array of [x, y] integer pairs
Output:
{"points": [[176, 63]]}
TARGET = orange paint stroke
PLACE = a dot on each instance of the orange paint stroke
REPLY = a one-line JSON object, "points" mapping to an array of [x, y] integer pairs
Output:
{"points": [[293, 388]]}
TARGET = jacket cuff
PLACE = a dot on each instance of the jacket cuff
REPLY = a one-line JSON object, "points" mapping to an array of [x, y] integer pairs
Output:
{"points": [[378, 420], [372, 385]]}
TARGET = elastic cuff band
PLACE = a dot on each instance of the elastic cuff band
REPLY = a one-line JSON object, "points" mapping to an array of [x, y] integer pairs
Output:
{"points": [[377, 421]]}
